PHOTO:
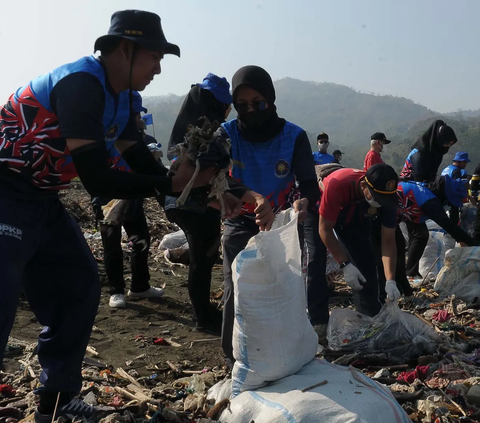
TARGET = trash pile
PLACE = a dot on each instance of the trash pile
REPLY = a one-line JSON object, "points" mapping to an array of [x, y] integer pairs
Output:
{"points": [[173, 392], [435, 380]]}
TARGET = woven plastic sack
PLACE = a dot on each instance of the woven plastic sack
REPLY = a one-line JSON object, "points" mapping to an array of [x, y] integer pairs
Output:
{"points": [[272, 336]]}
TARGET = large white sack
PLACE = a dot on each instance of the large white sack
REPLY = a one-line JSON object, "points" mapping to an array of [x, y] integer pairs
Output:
{"points": [[348, 397], [439, 242], [272, 336], [461, 274]]}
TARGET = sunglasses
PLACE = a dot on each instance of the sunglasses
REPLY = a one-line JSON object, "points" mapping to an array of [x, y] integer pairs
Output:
{"points": [[258, 106]]}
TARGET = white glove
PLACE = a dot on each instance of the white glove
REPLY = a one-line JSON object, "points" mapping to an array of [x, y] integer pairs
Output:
{"points": [[393, 294], [352, 276]]}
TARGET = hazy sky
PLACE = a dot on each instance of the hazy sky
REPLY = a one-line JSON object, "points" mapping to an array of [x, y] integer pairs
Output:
{"points": [[425, 50]]}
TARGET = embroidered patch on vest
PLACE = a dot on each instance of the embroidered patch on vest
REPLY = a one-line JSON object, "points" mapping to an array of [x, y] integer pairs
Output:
{"points": [[112, 133], [282, 168]]}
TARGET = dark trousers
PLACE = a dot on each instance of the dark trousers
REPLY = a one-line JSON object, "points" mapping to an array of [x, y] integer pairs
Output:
{"points": [[317, 287], [137, 230], [400, 271], [417, 241], [235, 239], [43, 252], [203, 235], [357, 240]]}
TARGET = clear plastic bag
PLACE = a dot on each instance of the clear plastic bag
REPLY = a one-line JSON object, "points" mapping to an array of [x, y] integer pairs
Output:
{"points": [[394, 332]]}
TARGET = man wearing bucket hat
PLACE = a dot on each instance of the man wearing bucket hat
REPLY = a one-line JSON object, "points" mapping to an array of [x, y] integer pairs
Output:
{"points": [[350, 199], [55, 128], [457, 170], [201, 224]]}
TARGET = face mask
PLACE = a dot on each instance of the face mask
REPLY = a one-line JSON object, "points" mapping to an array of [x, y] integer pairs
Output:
{"points": [[372, 202], [444, 150], [323, 147], [256, 119], [384, 148]]}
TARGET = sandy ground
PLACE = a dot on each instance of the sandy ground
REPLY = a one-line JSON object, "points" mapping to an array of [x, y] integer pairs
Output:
{"points": [[121, 335]]}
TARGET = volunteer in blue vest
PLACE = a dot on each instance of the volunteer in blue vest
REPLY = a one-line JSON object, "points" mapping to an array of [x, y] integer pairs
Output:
{"points": [[201, 224], [422, 165], [269, 156], [350, 200], [457, 170], [321, 156], [418, 202], [53, 129]]}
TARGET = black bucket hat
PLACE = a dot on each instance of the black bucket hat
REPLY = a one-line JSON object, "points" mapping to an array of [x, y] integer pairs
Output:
{"points": [[143, 28]]}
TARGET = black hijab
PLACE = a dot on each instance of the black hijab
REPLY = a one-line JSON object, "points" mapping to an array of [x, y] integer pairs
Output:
{"points": [[434, 137], [198, 103], [257, 126]]}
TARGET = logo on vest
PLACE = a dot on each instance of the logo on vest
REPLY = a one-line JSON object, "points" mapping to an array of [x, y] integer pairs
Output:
{"points": [[12, 231], [282, 168], [112, 133]]}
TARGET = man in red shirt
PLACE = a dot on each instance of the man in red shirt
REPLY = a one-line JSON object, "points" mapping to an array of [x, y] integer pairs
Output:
{"points": [[377, 145], [350, 199]]}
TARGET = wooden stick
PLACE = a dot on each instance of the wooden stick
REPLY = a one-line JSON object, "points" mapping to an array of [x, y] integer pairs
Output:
{"points": [[125, 375], [56, 406], [453, 402], [174, 367], [197, 341], [426, 276], [92, 351], [126, 394], [28, 368], [324, 382]]}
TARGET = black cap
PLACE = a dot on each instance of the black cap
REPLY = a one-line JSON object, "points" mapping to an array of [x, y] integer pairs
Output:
{"points": [[144, 28], [336, 152], [322, 136], [380, 136], [382, 181]]}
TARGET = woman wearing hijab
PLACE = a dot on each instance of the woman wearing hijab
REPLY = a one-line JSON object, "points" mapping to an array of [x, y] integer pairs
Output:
{"points": [[422, 165], [427, 154], [201, 223], [270, 156]]}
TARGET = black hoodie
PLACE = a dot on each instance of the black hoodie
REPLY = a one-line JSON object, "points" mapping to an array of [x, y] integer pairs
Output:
{"points": [[198, 103], [426, 161]]}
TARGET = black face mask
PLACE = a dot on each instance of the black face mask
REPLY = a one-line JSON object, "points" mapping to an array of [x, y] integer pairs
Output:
{"points": [[255, 120], [444, 150]]}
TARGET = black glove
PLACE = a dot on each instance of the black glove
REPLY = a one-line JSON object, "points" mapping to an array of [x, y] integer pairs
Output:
{"points": [[97, 209]]}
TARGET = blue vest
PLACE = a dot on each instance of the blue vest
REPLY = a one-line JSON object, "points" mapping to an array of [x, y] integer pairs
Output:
{"points": [[265, 167], [322, 158], [411, 197], [450, 169], [31, 143]]}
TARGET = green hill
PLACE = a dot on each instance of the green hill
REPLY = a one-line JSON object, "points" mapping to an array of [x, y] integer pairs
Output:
{"points": [[348, 116]]}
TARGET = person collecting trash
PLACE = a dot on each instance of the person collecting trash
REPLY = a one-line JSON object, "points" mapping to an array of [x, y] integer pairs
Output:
{"points": [[419, 202], [269, 155], [55, 128], [350, 199]]}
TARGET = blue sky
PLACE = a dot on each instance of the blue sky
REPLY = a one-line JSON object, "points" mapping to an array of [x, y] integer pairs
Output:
{"points": [[425, 50]]}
